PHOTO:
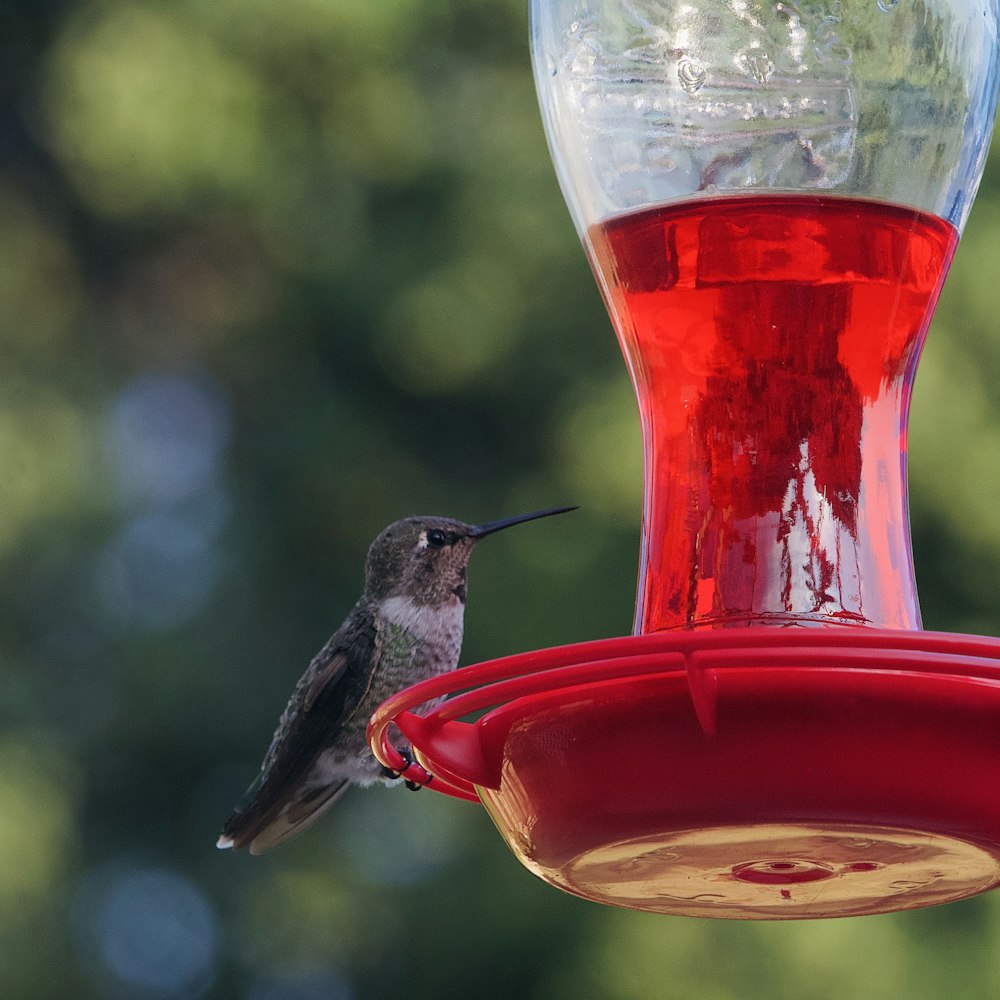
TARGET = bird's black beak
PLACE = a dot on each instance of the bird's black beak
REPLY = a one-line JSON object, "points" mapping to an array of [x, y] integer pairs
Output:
{"points": [[482, 530]]}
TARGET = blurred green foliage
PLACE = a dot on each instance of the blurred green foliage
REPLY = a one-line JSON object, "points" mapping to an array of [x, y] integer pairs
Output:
{"points": [[273, 275]]}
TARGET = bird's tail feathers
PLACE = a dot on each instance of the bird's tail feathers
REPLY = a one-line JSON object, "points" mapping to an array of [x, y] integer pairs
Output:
{"points": [[262, 832]]}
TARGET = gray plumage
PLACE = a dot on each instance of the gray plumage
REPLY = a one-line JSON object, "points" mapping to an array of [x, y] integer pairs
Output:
{"points": [[406, 627]]}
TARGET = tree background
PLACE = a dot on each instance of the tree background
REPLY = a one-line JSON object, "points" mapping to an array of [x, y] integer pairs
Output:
{"points": [[271, 276]]}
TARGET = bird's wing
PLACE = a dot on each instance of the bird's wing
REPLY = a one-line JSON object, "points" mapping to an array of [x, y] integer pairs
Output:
{"points": [[299, 812], [328, 693]]}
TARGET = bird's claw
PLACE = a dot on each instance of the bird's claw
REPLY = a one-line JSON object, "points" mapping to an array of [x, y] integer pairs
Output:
{"points": [[408, 762]]}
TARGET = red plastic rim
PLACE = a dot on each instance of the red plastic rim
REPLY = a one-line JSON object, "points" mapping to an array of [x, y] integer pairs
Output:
{"points": [[745, 772]]}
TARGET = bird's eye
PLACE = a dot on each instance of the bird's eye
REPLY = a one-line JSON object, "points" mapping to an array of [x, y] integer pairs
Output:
{"points": [[436, 537]]}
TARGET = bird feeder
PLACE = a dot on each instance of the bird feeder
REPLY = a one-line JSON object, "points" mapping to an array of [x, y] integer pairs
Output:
{"points": [[769, 194]]}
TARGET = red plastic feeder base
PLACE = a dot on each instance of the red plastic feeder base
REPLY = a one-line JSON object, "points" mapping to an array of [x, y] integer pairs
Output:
{"points": [[741, 773]]}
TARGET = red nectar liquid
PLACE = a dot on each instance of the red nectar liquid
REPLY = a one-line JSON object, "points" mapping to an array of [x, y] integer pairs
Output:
{"points": [[772, 342]]}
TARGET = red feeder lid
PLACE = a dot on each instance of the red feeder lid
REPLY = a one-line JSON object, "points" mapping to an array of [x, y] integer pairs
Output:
{"points": [[741, 773]]}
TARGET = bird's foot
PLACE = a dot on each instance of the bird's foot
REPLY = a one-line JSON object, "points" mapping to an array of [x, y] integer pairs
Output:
{"points": [[408, 763]]}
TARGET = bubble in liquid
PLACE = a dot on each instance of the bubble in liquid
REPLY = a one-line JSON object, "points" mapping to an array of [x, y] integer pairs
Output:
{"points": [[691, 75], [886, 5]]}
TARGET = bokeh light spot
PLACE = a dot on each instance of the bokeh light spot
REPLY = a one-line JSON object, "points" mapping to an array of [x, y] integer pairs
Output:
{"points": [[148, 928], [145, 111], [36, 825], [44, 455], [601, 448], [450, 329], [158, 571], [167, 435]]}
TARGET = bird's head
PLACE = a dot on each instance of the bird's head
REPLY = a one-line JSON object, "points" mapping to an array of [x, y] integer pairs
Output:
{"points": [[425, 558]]}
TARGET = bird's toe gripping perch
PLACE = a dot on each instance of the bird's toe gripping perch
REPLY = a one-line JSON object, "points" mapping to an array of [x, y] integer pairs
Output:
{"points": [[399, 763]]}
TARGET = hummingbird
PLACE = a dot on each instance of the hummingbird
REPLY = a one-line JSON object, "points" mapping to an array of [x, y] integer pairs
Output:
{"points": [[406, 627]]}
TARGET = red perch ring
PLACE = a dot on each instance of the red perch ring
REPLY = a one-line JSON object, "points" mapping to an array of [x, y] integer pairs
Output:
{"points": [[741, 773]]}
